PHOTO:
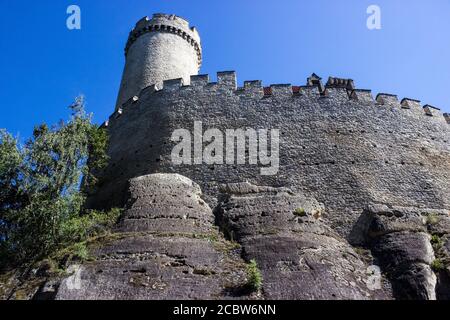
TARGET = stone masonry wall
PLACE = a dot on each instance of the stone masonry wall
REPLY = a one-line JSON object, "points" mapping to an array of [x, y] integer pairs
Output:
{"points": [[339, 146]]}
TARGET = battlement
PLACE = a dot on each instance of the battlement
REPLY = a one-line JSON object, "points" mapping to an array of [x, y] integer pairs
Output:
{"points": [[361, 95], [340, 83], [336, 88], [169, 24], [162, 17], [407, 103], [387, 98], [227, 79], [431, 110]]}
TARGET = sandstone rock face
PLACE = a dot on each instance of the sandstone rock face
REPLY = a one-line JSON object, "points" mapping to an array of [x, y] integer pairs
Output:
{"points": [[439, 227], [408, 244], [170, 244], [300, 256], [166, 247], [166, 203], [407, 258]]}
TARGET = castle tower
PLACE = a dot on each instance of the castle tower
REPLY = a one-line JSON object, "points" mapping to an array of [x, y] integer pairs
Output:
{"points": [[159, 49]]}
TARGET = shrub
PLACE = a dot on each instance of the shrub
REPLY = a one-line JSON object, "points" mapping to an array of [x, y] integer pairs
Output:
{"points": [[80, 251], [91, 224], [436, 241], [300, 212], [437, 265], [255, 279]]}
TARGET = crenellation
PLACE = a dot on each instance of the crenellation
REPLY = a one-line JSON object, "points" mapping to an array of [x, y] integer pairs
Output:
{"points": [[252, 89], [432, 111], [281, 90], [340, 83], [335, 89], [177, 21], [199, 80], [447, 117], [253, 84], [227, 79], [143, 23], [362, 95], [190, 38], [408, 103], [387, 99]]}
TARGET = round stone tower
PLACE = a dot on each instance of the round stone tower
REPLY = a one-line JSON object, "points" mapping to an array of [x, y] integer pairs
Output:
{"points": [[158, 49]]}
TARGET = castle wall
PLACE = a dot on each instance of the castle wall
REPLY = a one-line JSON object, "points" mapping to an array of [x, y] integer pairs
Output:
{"points": [[343, 148]]}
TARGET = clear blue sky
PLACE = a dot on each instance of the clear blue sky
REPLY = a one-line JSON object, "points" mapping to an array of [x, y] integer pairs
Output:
{"points": [[44, 65]]}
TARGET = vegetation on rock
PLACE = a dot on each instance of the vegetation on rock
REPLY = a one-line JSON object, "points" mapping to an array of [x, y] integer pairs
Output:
{"points": [[255, 279], [437, 265], [300, 212]]}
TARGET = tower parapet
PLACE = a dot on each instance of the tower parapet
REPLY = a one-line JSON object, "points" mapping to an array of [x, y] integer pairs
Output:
{"points": [[161, 48]]}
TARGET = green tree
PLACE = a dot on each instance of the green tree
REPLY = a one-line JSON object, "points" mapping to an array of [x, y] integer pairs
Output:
{"points": [[40, 183]]}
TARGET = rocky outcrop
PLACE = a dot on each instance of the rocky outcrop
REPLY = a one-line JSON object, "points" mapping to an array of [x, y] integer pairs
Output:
{"points": [[169, 244], [410, 245], [438, 225], [166, 247], [300, 256]]}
